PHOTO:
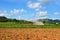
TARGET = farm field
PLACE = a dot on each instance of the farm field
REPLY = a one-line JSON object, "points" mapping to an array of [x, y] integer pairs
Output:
{"points": [[18, 25], [29, 34]]}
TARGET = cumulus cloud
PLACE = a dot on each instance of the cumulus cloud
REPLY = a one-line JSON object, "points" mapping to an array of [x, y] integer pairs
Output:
{"points": [[42, 13], [12, 12], [38, 6], [35, 5], [3, 14], [44, 1], [56, 13], [39, 15], [15, 11]]}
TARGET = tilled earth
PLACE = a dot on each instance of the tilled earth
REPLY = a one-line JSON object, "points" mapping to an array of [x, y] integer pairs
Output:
{"points": [[29, 34]]}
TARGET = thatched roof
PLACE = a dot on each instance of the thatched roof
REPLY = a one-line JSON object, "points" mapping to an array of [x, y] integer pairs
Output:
{"points": [[38, 23]]}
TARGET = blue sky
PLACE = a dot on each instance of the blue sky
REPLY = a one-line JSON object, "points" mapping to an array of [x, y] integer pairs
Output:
{"points": [[30, 9]]}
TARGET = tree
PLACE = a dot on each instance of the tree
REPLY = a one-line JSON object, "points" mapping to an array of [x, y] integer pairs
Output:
{"points": [[3, 19]]}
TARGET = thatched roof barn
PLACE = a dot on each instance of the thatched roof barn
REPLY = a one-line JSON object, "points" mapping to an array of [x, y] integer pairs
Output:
{"points": [[38, 23]]}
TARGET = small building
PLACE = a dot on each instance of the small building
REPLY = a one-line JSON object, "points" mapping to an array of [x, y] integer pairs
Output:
{"points": [[38, 23]]}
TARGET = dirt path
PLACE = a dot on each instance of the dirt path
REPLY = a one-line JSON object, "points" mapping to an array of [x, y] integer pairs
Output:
{"points": [[29, 34]]}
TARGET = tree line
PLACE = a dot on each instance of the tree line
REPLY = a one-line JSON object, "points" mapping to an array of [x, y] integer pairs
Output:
{"points": [[5, 19]]}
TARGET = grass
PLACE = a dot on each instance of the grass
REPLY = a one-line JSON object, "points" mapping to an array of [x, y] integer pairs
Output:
{"points": [[18, 25]]}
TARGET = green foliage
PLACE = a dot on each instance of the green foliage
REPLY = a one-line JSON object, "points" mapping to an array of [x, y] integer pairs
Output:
{"points": [[18, 25], [3, 19], [13, 23]]}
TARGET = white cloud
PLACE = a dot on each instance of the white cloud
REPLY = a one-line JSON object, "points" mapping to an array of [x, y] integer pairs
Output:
{"points": [[44, 1], [22, 11], [42, 17], [35, 5], [7, 13], [56, 13], [42, 13], [39, 15], [15, 11], [54, 18], [3, 14]]}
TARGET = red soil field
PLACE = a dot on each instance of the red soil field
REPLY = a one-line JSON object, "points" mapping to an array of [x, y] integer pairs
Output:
{"points": [[29, 34]]}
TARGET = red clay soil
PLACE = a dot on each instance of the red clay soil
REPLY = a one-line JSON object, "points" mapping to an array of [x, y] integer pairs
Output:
{"points": [[29, 34]]}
